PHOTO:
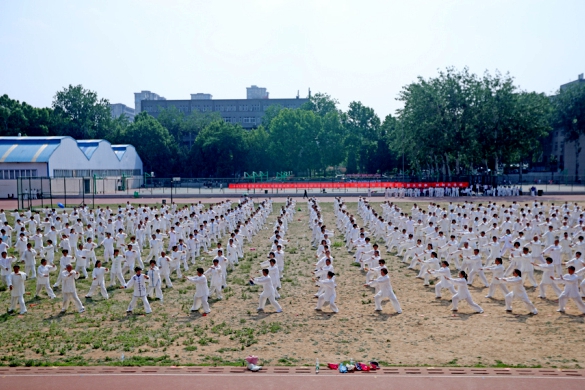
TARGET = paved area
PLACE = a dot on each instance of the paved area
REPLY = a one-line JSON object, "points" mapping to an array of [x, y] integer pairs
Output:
{"points": [[283, 378], [10, 204]]}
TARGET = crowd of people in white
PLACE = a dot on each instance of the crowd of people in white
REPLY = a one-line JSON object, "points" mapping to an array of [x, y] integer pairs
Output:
{"points": [[153, 244], [150, 243], [508, 241]]}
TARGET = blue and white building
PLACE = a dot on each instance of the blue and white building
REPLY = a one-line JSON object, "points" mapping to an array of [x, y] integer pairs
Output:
{"points": [[64, 157]]}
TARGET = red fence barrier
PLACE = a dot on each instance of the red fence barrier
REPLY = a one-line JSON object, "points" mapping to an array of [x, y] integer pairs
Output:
{"points": [[371, 184]]}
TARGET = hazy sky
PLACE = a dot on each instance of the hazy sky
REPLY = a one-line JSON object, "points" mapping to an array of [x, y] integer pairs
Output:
{"points": [[353, 50]]}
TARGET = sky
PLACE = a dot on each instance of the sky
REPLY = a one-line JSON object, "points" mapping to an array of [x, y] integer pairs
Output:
{"points": [[353, 50]]}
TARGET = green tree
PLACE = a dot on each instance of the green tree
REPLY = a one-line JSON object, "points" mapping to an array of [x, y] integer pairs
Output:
{"points": [[79, 113], [363, 132], [321, 104], [293, 141], [569, 115], [154, 144], [219, 150]]}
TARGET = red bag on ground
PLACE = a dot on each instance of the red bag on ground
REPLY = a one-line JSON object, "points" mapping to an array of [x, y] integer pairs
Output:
{"points": [[333, 366]]}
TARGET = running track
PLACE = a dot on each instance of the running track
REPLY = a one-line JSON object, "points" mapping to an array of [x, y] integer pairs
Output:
{"points": [[284, 378]]}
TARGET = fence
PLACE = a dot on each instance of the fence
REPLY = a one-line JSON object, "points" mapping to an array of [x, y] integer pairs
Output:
{"points": [[74, 191]]}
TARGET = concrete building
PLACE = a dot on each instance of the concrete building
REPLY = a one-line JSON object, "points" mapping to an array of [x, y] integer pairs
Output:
{"points": [[118, 109], [144, 95], [560, 153], [246, 112], [64, 157], [255, 92], [201, 96]]}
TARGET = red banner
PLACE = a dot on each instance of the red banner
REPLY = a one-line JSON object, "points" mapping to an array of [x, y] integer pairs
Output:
{"points": [[362, 185]]}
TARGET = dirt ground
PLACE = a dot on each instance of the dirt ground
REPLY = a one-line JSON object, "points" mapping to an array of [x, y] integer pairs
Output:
{"points": [[427, 333]]}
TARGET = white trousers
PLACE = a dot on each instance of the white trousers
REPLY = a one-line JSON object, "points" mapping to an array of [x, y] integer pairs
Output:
{"points": [[18, 300], [578, 302], [116, 275], [542, 288], [200, 301], [72, 296], [147, 308], [95, 285], [456, 298], [392, 297], [331, 301], [440, 286], [494, 287], [47, 287], [523, 297], [270, 297]]}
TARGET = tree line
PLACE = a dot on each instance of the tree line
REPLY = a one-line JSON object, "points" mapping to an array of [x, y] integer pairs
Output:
{"points": [[454, 123]]}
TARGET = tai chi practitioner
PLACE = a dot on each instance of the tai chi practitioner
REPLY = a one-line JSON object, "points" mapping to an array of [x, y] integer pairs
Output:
{"points": [[30, 263], [98, 280], [43, 278], [138, 281], [16, 287], [6, 266], [81, 260], [328, 295], [476, 268], [155, 281], [571, 291], [201, 292], [70, 290], [63, 263], [267, 292], [164, 265], [548, 270], [518, 291], [442, 273], [385, 291], [116, 271], [216, 279], [463, 293], [432, 263], [498, 271]]}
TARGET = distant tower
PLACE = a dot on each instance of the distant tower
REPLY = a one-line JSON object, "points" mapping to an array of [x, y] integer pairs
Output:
{"points": [[309, 93]]}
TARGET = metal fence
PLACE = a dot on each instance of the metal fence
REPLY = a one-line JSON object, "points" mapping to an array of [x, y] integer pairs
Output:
{"points": [[73, 191]]}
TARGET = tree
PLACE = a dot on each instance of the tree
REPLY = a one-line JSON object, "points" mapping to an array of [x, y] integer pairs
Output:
{"points": [[569, 115], [17, 117], [79, 113], [293, 141], [330, 140], [219, 150], [321, 104], [363, 132], [153, 143]]}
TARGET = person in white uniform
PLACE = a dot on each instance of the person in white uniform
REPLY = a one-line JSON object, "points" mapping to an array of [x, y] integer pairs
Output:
{"points": [[17, 290], [385, 291], [498, 273], [441, 273], [328, 295], [201, 291], [518, 291], [571, 291], [43, 278], [68, 277], [548, 270], [138, 281], [267, 292], [463, 293], [98, 280], [155, 281]]}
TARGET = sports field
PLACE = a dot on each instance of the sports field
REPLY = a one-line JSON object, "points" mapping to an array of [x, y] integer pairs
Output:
{"points": [[426, 334]]}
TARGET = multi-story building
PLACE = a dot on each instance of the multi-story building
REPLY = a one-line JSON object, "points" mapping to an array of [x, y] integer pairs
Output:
{"points": [[246, 112], [118, 109], [144, 95], [559, 152]]}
